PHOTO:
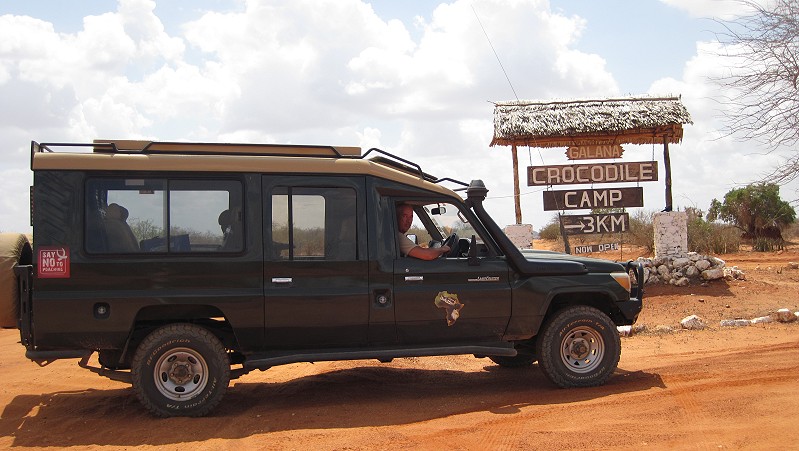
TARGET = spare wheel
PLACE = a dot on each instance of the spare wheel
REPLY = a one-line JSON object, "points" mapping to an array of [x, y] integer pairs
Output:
{"points": [[14, 249]]}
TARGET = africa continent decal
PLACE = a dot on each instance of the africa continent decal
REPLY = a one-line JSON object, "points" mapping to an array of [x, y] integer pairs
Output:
{"points": [[451, 304]]}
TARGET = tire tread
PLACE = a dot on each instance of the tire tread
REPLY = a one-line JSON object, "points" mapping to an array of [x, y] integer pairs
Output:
{"points": [[202, 335], [549, 341]]}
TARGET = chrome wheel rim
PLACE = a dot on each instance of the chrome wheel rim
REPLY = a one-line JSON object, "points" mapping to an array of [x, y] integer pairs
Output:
{"points": [[181, 374], [582, 349]]}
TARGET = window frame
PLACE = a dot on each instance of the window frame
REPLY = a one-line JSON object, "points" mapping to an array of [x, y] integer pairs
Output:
{"points": [[95, 184], [290, 191]]}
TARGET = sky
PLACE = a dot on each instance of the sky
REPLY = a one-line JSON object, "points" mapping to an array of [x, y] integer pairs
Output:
{"points": [[416, 78]]}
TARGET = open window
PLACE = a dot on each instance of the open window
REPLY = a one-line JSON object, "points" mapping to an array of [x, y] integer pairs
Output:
{"points": [[435, 222]]}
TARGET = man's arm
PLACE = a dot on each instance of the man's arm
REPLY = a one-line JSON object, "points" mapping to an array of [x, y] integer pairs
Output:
{"points": [[410, 249], [428, 253]]}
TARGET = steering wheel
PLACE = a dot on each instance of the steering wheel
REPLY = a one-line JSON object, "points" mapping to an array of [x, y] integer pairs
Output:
{"points": [[452, 242]]}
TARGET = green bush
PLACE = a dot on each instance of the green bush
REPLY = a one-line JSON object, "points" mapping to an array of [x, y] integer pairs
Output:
{"points": [[642, 230], [704, 237], [707, 237], [763, 244], [551, 231]]}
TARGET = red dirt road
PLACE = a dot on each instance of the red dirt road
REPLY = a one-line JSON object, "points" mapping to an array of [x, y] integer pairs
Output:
{"points": [[720, 388]]}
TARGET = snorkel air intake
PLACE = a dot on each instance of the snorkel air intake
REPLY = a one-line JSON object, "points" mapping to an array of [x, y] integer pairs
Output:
{"points": [[475, 195]]}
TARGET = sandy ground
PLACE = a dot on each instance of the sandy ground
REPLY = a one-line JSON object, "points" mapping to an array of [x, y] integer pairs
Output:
{"points": [[720, 388]]}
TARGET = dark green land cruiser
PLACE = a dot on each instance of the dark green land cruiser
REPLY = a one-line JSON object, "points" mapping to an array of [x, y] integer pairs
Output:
{"points": [[183, 265]]}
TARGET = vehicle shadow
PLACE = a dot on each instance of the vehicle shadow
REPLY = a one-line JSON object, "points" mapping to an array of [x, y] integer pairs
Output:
{"points": [[359, 397]]}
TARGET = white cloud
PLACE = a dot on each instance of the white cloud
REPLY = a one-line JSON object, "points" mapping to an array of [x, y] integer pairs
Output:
{"points": [[301, 71], [14, 203], [717, 9], [709, 162]]}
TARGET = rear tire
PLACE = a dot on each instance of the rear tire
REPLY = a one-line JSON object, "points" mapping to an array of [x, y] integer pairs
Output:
{"points": [[579, 347], [180, 370]]}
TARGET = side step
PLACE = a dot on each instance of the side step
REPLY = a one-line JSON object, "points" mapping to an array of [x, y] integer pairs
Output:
{"points": [[266, 360], [44, 358]]}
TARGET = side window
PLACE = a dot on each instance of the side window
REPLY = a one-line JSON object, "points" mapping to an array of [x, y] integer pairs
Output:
{"points": [[163, 216], [313, 224], [205, 216], [434, 222]]}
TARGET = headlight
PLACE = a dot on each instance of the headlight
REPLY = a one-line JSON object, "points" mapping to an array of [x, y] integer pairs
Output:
{"points": [[623, 279]]}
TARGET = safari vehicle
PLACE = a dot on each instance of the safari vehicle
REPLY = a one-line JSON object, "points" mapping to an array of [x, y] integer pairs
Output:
{"points": [[184, 265]]}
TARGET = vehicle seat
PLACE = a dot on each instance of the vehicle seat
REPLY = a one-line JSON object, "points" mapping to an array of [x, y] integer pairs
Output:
{"points": [[230, 222], [118, 233]]}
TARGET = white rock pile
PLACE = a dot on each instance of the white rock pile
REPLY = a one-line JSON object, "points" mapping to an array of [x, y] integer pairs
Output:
{"points": [[681, 271], [695, 322], [782, 315]]}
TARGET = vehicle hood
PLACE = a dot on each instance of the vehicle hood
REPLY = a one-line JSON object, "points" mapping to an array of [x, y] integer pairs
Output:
{"points": [[594, 265]]}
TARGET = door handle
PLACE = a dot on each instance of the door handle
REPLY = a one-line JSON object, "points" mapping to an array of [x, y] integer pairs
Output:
{"points": [[282, 280], [414, 278]]}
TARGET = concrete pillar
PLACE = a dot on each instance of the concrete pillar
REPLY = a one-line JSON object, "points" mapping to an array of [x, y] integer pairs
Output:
{"points": [[521, 235], [671, 234]]}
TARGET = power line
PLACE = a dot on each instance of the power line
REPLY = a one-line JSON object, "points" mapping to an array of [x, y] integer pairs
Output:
{"points": [[495, 52]]}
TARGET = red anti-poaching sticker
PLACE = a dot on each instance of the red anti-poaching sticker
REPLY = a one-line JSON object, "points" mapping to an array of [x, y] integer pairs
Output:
{"points": [[53, 262]]}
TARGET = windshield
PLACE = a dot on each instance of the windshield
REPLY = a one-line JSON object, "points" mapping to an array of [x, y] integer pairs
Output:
{"points": [[448, 220]]}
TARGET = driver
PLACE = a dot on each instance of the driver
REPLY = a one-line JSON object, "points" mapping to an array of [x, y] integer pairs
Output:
{"points": [[409, 248]]}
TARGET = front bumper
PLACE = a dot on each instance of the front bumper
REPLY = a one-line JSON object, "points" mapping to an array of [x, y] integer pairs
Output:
{"points": [[631, 308]]}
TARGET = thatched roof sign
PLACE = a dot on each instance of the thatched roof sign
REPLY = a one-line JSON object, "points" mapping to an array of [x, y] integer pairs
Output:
{"points": [[644, 120]]}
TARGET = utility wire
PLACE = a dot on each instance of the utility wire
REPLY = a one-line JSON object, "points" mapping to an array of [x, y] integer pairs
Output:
{"points": [[495, 52]]}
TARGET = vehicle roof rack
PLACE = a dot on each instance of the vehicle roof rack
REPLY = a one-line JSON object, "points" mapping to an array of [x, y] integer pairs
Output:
{"points": [[183, 148], [408, 166], [285, 150]]}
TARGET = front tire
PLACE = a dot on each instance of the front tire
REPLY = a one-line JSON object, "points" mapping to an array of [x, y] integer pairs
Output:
{"points": [[526, 355], [579, 347], [180, 370]]}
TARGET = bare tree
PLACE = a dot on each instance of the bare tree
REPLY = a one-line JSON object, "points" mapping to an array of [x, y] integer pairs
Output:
{"points": [[763, 50]]}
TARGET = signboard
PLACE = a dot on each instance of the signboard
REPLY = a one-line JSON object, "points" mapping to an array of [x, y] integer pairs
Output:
{"points": [[597, 152], [595, 223], [53, 262], [591, 248], [570, 174], [578, 199]]}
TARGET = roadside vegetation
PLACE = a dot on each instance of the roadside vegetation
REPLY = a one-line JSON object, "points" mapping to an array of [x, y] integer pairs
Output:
{"points": [[754, 215]]}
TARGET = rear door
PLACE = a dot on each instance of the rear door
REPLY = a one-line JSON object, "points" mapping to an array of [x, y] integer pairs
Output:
{"points": [[315, 268]]}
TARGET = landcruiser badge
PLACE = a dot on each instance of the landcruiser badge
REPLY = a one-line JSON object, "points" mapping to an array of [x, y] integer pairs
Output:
{"points": [[451, 304]]}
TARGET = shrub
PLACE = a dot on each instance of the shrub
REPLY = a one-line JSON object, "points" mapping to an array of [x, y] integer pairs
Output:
{"points": [[707, 237], [642, 230], [763, 244], [551, 231], [791, 233]]}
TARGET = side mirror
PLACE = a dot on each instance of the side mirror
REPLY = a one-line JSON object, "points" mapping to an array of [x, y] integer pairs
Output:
{"points": [[413, 237]]}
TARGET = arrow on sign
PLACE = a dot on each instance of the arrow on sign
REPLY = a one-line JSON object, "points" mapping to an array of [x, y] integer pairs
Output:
{"points": [[595, 223], [580, 226]]}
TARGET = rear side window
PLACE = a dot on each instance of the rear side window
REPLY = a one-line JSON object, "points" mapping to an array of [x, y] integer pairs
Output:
{"points": [[157, 215], [313, 224]]}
